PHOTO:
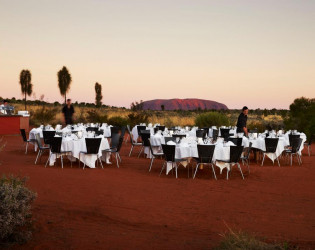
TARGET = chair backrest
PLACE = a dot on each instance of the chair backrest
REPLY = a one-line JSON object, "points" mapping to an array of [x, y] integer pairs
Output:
{"points": [[151, 148], [55, 145], [92, 145], [162, 128], [169, 152], [247, 151], [206, 131], [120, 142], [236, 141], [114, 130], [200, 133], [205, 153], [38, 140], [91, 129], [296, 144], [215, 134], [139, 128], [167, 139], [145, 136], [235, 153], [291, 137], [47, 134], [179, 136], [225, 132], [122, 131], [99, 132], [23, 134], [271, 144], [115, 140]]}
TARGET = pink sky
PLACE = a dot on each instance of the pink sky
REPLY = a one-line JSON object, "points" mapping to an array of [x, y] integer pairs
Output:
{"points": [[255, 53]]}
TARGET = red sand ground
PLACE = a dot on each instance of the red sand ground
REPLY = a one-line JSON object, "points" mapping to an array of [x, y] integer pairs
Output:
{"points": [[130, 208]]}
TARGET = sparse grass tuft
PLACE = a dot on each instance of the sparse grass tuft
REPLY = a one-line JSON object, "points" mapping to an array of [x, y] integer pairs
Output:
{"points": [[244, 241]]}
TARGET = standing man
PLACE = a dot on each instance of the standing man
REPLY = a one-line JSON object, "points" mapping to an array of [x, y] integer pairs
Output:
{"points": [[68, 112], [242, 121]]}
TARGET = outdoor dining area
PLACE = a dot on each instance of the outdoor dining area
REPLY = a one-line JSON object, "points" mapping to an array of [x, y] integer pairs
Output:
{"points": [[97, 145]]}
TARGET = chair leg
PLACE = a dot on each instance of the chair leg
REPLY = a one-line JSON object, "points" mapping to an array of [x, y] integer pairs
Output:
{"points": [[117, 160], [61, 159], [263, 160], [278, 161], [175, 169], [151, 163], [131, 150], [196, 170], [227, 173], [215, 177], [71, 160], [119, 156], [140, 151], [239, 167], [48, 160], [79, 159], [299, 158], [162, 168], [99, 158], [247, 163], [37, 156]]}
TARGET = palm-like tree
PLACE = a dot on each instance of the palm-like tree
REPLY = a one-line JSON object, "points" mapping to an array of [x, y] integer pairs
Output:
{"points": [[64, 81], [26, 83], [98, 94]]}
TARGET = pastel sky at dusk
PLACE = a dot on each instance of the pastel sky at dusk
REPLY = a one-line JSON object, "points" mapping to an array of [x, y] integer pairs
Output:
{"points": [[255, 53]]}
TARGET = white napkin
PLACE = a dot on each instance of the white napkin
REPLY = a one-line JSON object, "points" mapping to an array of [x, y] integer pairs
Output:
{"points": [[171, 143], [229, 143]]}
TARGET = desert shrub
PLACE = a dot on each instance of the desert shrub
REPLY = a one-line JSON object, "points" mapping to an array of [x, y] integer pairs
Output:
{"points": [[257, 124], [241, 240], [43, 115], [301, 116], [118, 121], [137, 118], [211, 119], [15, 214], [95, 116]]}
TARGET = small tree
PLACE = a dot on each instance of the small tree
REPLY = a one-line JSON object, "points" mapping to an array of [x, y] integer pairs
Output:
{"points": [[64, 81], [98, 94], [162, 107], [26, 83]]}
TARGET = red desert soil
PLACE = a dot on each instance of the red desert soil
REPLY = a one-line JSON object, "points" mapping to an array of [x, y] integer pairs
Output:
{"points": [[130, 208]]}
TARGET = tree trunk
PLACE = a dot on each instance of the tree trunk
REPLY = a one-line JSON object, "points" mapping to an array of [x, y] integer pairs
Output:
{"points": [[25, 100]]}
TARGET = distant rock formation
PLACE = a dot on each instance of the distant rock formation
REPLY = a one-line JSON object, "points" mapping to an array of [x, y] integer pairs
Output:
{"points": [[182, 104]]}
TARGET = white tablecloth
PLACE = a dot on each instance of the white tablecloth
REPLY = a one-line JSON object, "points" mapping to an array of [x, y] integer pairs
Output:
{"points": [[76, 146], [135, 135]]}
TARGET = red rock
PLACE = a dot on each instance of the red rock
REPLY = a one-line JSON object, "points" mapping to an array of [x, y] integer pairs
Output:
{"points": [[183, 104]]}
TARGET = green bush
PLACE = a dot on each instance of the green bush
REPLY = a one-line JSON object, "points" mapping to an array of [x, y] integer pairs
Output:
{"points": [[96, 117], [118, 121], [137, 118], [15, 214], [212, 119], [43, 115], [301, 116]]}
